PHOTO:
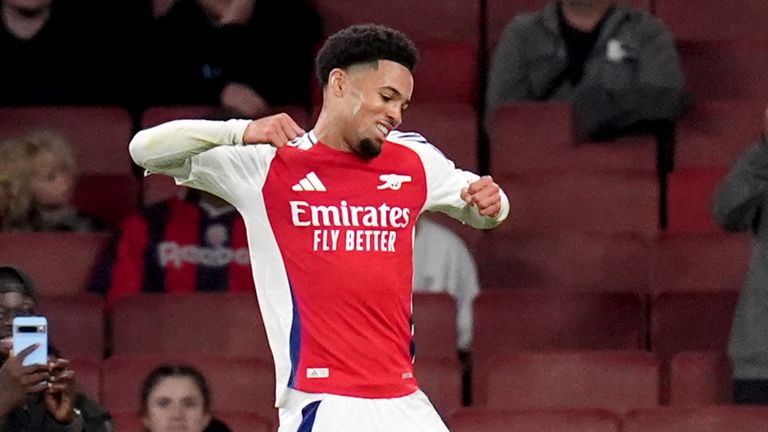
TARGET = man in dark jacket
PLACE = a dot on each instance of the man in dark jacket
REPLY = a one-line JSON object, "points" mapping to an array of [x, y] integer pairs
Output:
{"points": [[38, 398]]}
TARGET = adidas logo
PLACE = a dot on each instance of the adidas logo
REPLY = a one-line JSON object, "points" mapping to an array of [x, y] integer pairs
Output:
{"points": [[310, 183]]}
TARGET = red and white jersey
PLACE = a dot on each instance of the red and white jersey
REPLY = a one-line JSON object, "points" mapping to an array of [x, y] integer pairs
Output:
{"points": [[331, 243]]}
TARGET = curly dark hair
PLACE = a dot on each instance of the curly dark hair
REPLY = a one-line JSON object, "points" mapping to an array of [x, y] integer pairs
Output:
{"points": [[364, 43]]}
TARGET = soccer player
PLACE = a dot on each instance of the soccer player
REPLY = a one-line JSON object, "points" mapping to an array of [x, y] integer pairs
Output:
{"points": [[330, 219]]}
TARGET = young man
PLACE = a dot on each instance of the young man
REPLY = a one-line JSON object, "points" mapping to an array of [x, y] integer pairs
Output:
{"points": [[330, 220]]}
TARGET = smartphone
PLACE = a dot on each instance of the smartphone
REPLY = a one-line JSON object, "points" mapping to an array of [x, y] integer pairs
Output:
{"points": [[30, 330]]}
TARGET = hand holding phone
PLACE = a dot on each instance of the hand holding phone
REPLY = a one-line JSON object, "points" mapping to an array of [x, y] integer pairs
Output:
{"points": [[31, 330]]}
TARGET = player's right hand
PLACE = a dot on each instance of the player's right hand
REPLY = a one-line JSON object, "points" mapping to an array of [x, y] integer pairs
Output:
{"points": [[17, 381], [276, 130]]}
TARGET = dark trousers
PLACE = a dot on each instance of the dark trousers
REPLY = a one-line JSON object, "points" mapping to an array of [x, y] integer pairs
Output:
{"points": [[750, 392]]}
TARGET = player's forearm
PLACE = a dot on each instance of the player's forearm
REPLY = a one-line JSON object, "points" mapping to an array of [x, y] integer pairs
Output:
{"points": [[169, 147]]}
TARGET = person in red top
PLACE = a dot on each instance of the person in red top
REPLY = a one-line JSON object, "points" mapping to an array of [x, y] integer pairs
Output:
{"points": [[330, 217], [182, 245]]}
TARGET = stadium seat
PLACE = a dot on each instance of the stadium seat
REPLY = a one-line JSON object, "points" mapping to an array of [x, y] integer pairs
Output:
{"points": [[156, 188], [88, 375], [691, 321], [690, 194], [711, 262], [614, 380], [717, 69], [237, 384], [564, 260], [59, 263], [508, 321], [99, 135], [156, 115], [107, 197], [434, 319], [500, 13], [190, 324], [237, 422], [710, 19], [699, 378], [451, 127], [714, 133], [540, 136], [606, 202], [447, 73], [451, 20], [441, 381], [709, 419], [486, 420], [75, 325]]}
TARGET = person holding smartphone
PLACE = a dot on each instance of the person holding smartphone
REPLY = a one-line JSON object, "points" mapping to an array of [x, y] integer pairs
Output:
{"points": [[38, 397]]}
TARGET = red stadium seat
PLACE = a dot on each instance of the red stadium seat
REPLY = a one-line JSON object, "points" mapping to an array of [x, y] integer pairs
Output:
{"points": [[718, 69], [507, 321], [713, 262], [540, 136], [99, 135], [710, 419], [156, 188], [446, 65], [156, 115], [237, 422], [451, 20], [190, 324], [691, 321], [607, 202], [87, 375], [615, 380], [237, 384], [60, 264], [690, 198], [441, 381], [451, 127], [485, 420], [434, 318], [700, 378], [715, 133], [711, 19], [75, 325], [107, 197], [567, 260]]}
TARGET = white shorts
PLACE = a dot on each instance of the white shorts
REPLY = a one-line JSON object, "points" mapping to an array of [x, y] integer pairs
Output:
{"points": [[312, 412]]}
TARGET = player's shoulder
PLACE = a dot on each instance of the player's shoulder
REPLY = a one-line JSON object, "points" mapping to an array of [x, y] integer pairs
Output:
{"points": [[303, 142], [407, 138]]}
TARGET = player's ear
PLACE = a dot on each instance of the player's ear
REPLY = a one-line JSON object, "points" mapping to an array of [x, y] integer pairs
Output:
{"points": [[337, 82]]}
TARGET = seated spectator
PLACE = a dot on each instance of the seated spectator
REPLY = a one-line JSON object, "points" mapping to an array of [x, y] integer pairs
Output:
{"points": [[39, 398], [37, 181], [181, 245], [207, 52], [618, 65], [55, 55], [740, 204], [176, 397], [442, 263]]}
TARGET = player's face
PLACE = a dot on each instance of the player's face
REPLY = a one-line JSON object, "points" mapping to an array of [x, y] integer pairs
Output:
{"points": [[52, 183], [375, 100], [176, 405]]}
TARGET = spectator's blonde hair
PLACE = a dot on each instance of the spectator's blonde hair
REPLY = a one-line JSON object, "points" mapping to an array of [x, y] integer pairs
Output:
{"points": [[19, 159]]}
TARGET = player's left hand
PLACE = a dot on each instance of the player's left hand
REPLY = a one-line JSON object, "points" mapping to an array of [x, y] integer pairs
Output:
{"points": [[485, 195]]}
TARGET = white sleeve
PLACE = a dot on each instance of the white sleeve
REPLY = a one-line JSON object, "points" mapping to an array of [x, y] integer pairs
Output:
{"points": [[203, 154], [445, 183]]}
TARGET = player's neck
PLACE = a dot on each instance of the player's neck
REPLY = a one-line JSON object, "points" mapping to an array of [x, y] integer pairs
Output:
{"points": [[329, 133]]}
